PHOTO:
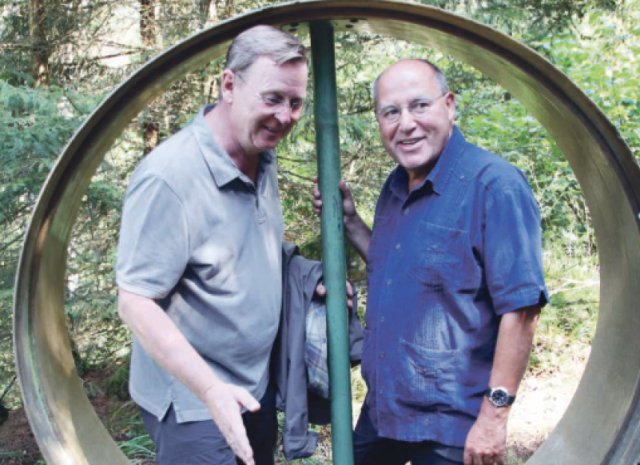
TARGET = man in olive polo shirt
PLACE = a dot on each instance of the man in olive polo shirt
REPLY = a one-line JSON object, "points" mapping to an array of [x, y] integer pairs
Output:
{"points": [[199, 262]]}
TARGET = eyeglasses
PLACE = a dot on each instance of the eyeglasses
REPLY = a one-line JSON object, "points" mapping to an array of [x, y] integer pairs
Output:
{"points": [[418, 108]]}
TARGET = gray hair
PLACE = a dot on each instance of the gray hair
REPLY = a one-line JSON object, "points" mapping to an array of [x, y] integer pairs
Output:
{"points": [[440, 79], [266, 41]]}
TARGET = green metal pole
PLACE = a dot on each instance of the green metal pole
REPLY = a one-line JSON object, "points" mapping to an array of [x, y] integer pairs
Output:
{"points": [[328, 147]]}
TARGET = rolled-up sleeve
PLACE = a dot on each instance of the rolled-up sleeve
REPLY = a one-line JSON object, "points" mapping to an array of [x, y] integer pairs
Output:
{"points": [[513, 248]]}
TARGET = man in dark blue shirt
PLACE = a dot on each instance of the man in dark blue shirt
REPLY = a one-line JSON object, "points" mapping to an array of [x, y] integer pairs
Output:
{"points": [[455, 283]]}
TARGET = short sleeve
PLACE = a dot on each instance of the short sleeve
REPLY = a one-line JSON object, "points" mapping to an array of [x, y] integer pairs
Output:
{"points": [[513, 247], [153, 248]]}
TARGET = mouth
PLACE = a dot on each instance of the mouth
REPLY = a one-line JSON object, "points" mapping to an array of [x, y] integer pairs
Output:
{"points": [[274, 130], [410, 142]]}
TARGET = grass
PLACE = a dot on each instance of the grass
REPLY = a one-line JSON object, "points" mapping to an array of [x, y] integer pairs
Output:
{"points": [[568, 322], [125, 424]]}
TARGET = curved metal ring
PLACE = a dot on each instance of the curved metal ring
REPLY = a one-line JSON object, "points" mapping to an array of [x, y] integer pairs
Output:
{"points": [[601, 424]]}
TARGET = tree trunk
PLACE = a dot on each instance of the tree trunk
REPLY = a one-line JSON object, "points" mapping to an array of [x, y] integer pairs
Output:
{"points": [[150, 134], [207, 11], [224, 8], [148, 36], [148, 24], [39, 45]]}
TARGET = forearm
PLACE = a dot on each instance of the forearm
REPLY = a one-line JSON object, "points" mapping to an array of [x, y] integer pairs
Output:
{"points": [[358, 233], [163, 341], [513, 347], [486, 442]]}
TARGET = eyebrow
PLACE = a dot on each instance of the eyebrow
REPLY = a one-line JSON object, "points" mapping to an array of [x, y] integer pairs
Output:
{"points": [[293, 101], [413, 100]]}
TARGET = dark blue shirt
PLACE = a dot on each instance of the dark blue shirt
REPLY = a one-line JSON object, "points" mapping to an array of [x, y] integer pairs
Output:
{"points": [[445, 261]]}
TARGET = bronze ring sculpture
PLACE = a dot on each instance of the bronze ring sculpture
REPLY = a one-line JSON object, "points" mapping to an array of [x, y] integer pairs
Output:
{"points": [[602, 423]]}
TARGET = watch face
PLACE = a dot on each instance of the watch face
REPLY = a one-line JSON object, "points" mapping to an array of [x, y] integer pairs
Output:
{"points": [[499, 397]]}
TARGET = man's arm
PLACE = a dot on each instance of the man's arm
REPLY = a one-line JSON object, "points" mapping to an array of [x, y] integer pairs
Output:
{"points": [[164, 342], [358, 233], [486, 441]]}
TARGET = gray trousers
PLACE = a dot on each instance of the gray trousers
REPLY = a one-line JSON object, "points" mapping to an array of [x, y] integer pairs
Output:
{"points": [[202, 443]]}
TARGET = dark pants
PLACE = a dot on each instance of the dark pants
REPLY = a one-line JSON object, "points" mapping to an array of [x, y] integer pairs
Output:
{"points": [[202, 443], [371, 449]]}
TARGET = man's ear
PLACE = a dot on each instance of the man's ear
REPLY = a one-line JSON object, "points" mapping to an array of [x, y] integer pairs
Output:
{"points": [[227, 84], [450, 102]]}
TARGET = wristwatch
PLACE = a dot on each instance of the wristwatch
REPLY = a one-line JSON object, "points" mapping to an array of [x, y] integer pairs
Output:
{"points": [[499, 397]]}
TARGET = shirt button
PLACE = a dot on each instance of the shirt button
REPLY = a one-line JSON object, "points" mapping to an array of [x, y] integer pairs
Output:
{"points": [[405, 212], [389, 281], [398, 246], [381, 355], [381, 319]]}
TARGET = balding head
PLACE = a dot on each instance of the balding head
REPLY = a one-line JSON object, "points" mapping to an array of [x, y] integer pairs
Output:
{"points": [[431, 72]]}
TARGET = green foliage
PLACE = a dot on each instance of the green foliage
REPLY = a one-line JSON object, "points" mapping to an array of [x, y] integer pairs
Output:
{"points": [[603, 57], [35, 123], [117, 384], [596, 42], [34, 126], [125, 424], [567, 323]]}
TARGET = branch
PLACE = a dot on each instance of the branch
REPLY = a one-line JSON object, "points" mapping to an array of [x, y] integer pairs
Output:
{"points": [[291, 173], [6, 391]]}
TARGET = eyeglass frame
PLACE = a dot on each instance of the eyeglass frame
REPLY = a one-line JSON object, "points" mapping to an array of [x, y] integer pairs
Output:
{"points": [[411, 107]]}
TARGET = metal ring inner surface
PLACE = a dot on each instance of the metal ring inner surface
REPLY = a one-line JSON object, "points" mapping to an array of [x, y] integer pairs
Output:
{"points": [[601, 425]]}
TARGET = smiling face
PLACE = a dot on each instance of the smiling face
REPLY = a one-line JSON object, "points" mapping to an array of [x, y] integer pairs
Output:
{"points": [[424, 114], [265, 102]]}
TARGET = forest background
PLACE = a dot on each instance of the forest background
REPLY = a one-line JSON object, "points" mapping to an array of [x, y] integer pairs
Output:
{"points": [[59, 59]]}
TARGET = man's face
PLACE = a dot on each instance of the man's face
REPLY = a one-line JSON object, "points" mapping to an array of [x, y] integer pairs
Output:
{"points": [[414, 116], [267, 102]]}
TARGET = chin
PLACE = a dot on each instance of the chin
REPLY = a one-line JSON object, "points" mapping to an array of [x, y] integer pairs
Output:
{"points": [[270, 145], [414, 163], [266, 144], [271, 140]]}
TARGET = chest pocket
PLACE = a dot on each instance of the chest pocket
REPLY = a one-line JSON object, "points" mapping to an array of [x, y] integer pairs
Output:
{"points": [[445, 260]]}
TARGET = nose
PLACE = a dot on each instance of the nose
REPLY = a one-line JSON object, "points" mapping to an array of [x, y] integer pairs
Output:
{"points": [[286, 115], [407, 121]]}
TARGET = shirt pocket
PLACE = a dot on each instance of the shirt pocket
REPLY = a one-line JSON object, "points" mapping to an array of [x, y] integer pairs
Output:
{"points": [[428, 379], [444, 259]]}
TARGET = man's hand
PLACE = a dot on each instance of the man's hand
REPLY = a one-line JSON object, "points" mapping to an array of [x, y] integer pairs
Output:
{"points": [[164, 342], [487, 439], [348, 205], [321, 291], [225, 402], [355, 229]]}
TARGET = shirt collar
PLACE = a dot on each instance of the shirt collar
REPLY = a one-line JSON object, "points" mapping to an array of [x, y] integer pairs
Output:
{"points": [[438, 177], [222, 167]]}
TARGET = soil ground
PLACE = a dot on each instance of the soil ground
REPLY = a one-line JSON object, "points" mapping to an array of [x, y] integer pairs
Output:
{"points": [[17, 443]]}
